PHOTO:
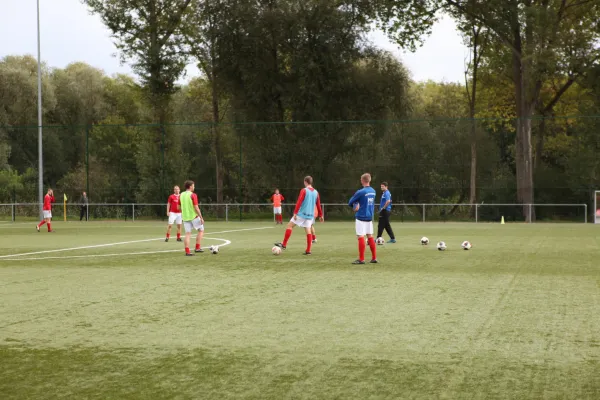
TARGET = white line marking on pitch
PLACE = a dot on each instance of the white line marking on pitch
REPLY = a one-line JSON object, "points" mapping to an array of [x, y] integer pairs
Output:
{"points": [[225, 243], [117, 244]]}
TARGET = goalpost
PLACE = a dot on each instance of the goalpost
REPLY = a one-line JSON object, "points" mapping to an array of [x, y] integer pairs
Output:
{"points": [[597, 207]]}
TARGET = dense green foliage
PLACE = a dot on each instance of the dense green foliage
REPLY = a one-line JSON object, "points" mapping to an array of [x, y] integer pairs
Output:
{"points": [[274, 71]]}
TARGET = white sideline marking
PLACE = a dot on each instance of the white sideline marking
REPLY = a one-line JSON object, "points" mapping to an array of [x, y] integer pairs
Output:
{"points": [[117, 244], [225, 243]]}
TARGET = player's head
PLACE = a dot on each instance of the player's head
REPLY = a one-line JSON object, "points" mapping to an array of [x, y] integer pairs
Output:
{"points": [[276, 191], [49, 190], [384, 186], [308, 180], [365, 179], [176, 189], [189, 185]]}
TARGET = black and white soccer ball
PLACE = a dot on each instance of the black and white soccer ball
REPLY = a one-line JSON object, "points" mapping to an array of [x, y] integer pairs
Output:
{"points": [[424, 241], [441, 246], [214, 249], [380, 241], [466, 245]]}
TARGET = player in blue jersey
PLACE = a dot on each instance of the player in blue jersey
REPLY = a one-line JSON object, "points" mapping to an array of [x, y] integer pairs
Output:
{"points": [[363, 203], [304, 214], [385, 210]]}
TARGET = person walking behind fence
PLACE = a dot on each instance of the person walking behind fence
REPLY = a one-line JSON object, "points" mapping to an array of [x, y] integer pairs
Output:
{"points": [[83, 203], [385, 211]]}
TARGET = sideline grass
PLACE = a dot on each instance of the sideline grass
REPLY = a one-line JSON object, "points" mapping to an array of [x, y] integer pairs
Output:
{"points": [[515, 317]]}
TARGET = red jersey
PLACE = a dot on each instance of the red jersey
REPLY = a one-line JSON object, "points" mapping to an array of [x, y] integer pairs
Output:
{"points": [[48, 200], [174, 205], [277, 199]]}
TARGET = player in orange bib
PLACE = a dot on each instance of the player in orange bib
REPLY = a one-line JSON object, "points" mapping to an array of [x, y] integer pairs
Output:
{"points": [[277, 198]]}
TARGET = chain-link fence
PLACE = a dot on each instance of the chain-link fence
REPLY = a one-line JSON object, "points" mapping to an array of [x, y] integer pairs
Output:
{"points": [[424, 161]]}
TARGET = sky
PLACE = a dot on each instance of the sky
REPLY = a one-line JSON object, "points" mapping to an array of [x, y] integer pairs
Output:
{"points": [[69, 33]]}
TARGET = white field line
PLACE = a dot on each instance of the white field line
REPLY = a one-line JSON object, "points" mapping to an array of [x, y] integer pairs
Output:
{"points": [[117, 244], [225, 243]]}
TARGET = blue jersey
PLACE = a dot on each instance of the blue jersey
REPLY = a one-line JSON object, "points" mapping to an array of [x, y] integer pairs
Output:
{"points": [[365, 198], [384, 198], [306, 203]]}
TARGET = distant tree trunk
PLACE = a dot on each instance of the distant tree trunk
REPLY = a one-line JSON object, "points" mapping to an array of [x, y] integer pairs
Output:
{"points": [[472, 97]]}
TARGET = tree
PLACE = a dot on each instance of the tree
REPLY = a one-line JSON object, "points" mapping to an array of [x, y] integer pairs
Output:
{"points": [[202, 27], [476, 38], [149, 34], [540, 37]]}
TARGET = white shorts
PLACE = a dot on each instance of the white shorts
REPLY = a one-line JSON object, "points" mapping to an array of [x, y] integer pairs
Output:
{"points": [[276, 210], [175, 218], [194, 224], [47, 214], [303, 223], [364, 228]]}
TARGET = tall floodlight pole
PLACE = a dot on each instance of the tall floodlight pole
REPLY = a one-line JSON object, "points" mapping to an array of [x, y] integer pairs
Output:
{"points": [[40, 159]]}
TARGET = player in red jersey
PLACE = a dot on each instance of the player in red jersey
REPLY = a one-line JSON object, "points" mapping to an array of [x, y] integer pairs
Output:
{"points": [[277, 198], [174, 213], [47, 210]]}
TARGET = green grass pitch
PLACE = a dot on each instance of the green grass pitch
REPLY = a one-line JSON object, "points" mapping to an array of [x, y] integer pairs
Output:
{"points": [[516, 317]]}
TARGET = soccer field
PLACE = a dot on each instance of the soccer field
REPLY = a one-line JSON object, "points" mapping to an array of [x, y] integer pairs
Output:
{"points": [[516, 317]]}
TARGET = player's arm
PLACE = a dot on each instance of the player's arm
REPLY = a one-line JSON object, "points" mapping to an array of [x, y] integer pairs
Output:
{"points": [[319, 208], [168, 207], [272, 199], [354, 199], [282, 198], [198, 213], [299, 202]]}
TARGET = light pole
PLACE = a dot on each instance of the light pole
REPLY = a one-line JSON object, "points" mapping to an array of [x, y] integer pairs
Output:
{"points": [[40, 159]]}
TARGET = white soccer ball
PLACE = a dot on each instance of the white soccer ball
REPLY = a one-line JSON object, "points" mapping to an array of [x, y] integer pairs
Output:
{"points": [[424, 241], [276, 250], [466, 245], [441, 246], [214, 249], [380, 241]]}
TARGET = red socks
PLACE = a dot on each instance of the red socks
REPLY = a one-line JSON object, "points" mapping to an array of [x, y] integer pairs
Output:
{"points": [[361, 248], [373, 248], [288, 233], [279, 218], [41, 224], [179, 236], [49, 226], [314, 237], [168, 235], [187, 250], [308, 242], [197, 246]]}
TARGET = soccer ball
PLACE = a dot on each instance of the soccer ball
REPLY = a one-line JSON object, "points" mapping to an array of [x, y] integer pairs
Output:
{"points": [[424, 241], [214, 249], [276, 250], [441, 246], [380, 241], [466, 245]]}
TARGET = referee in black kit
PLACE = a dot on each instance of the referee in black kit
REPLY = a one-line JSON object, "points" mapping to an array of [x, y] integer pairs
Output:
{"points": [[385, 210]]}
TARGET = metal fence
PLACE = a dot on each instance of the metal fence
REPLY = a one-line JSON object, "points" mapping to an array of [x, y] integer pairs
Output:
{"points": [[402, 212]]}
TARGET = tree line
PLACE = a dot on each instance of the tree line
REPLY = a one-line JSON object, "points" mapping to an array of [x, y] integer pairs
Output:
{"points": [[521, 128]]}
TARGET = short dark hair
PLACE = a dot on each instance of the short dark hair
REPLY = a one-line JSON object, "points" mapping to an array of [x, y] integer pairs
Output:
{"points": [[384, 184], [308, 179], [188, 184]]}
